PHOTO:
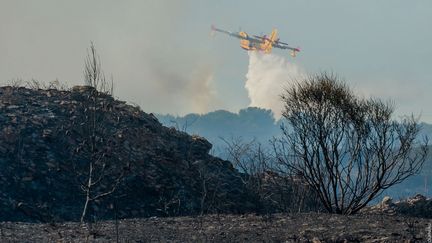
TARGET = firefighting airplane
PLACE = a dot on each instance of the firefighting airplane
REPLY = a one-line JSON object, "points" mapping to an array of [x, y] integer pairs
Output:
{"points": [[259, 43]]}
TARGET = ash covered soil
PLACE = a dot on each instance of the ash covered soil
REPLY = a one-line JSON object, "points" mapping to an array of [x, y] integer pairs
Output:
{"points": [[302, 227]]}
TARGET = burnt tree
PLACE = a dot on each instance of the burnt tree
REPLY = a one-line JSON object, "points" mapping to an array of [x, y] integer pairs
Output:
{"points": [[348, 149], [99, 168]]}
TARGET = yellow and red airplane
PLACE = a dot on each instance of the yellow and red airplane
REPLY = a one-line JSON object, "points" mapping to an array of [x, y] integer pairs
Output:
{"points": [[259, 43]]}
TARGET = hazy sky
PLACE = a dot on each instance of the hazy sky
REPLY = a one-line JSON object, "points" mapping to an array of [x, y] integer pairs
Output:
{"points": [[162, 57]]}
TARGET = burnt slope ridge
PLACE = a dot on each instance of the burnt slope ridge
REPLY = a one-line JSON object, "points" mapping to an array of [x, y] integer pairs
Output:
{"points": [[44, 156]]}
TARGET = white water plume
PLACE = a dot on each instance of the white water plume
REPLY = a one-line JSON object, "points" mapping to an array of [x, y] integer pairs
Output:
{"points": [[268, 75]]}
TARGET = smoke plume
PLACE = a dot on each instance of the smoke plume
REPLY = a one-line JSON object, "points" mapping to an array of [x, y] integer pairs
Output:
{"points": [[267, 77]]}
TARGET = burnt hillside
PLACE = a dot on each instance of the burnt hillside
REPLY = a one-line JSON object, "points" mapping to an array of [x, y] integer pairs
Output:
{"points": [[45, 152]]}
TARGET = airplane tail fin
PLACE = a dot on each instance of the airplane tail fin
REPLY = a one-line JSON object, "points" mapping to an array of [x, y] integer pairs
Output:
{"points": [[273, 36], [269, 41]]}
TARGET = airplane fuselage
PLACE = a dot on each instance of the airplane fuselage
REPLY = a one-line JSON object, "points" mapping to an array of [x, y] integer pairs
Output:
{"points": [[265, 44]]}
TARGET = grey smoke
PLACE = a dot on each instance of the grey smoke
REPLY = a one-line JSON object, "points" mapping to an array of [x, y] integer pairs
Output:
{"points": [[141, 43]]}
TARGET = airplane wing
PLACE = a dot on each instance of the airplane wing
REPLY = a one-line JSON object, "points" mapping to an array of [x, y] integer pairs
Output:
{"points": [[228, 33], [282, 45], [254, 38], [259, 37], [280, 42]]}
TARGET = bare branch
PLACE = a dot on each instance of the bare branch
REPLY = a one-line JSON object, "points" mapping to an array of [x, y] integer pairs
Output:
{"points": [[346, 148]]}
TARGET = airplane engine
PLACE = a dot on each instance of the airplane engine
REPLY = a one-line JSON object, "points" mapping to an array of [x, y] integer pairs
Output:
{"points": [[243, 34]]}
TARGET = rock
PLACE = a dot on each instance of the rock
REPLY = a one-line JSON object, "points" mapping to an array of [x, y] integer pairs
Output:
{"points": [[11, 107], [82, 88], [316, 240], [418, 206], [386, 202], [417, 199]]}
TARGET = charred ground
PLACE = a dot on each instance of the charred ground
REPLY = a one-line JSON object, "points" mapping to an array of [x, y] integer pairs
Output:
{"points": [[166, 173], [42, 161]]}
